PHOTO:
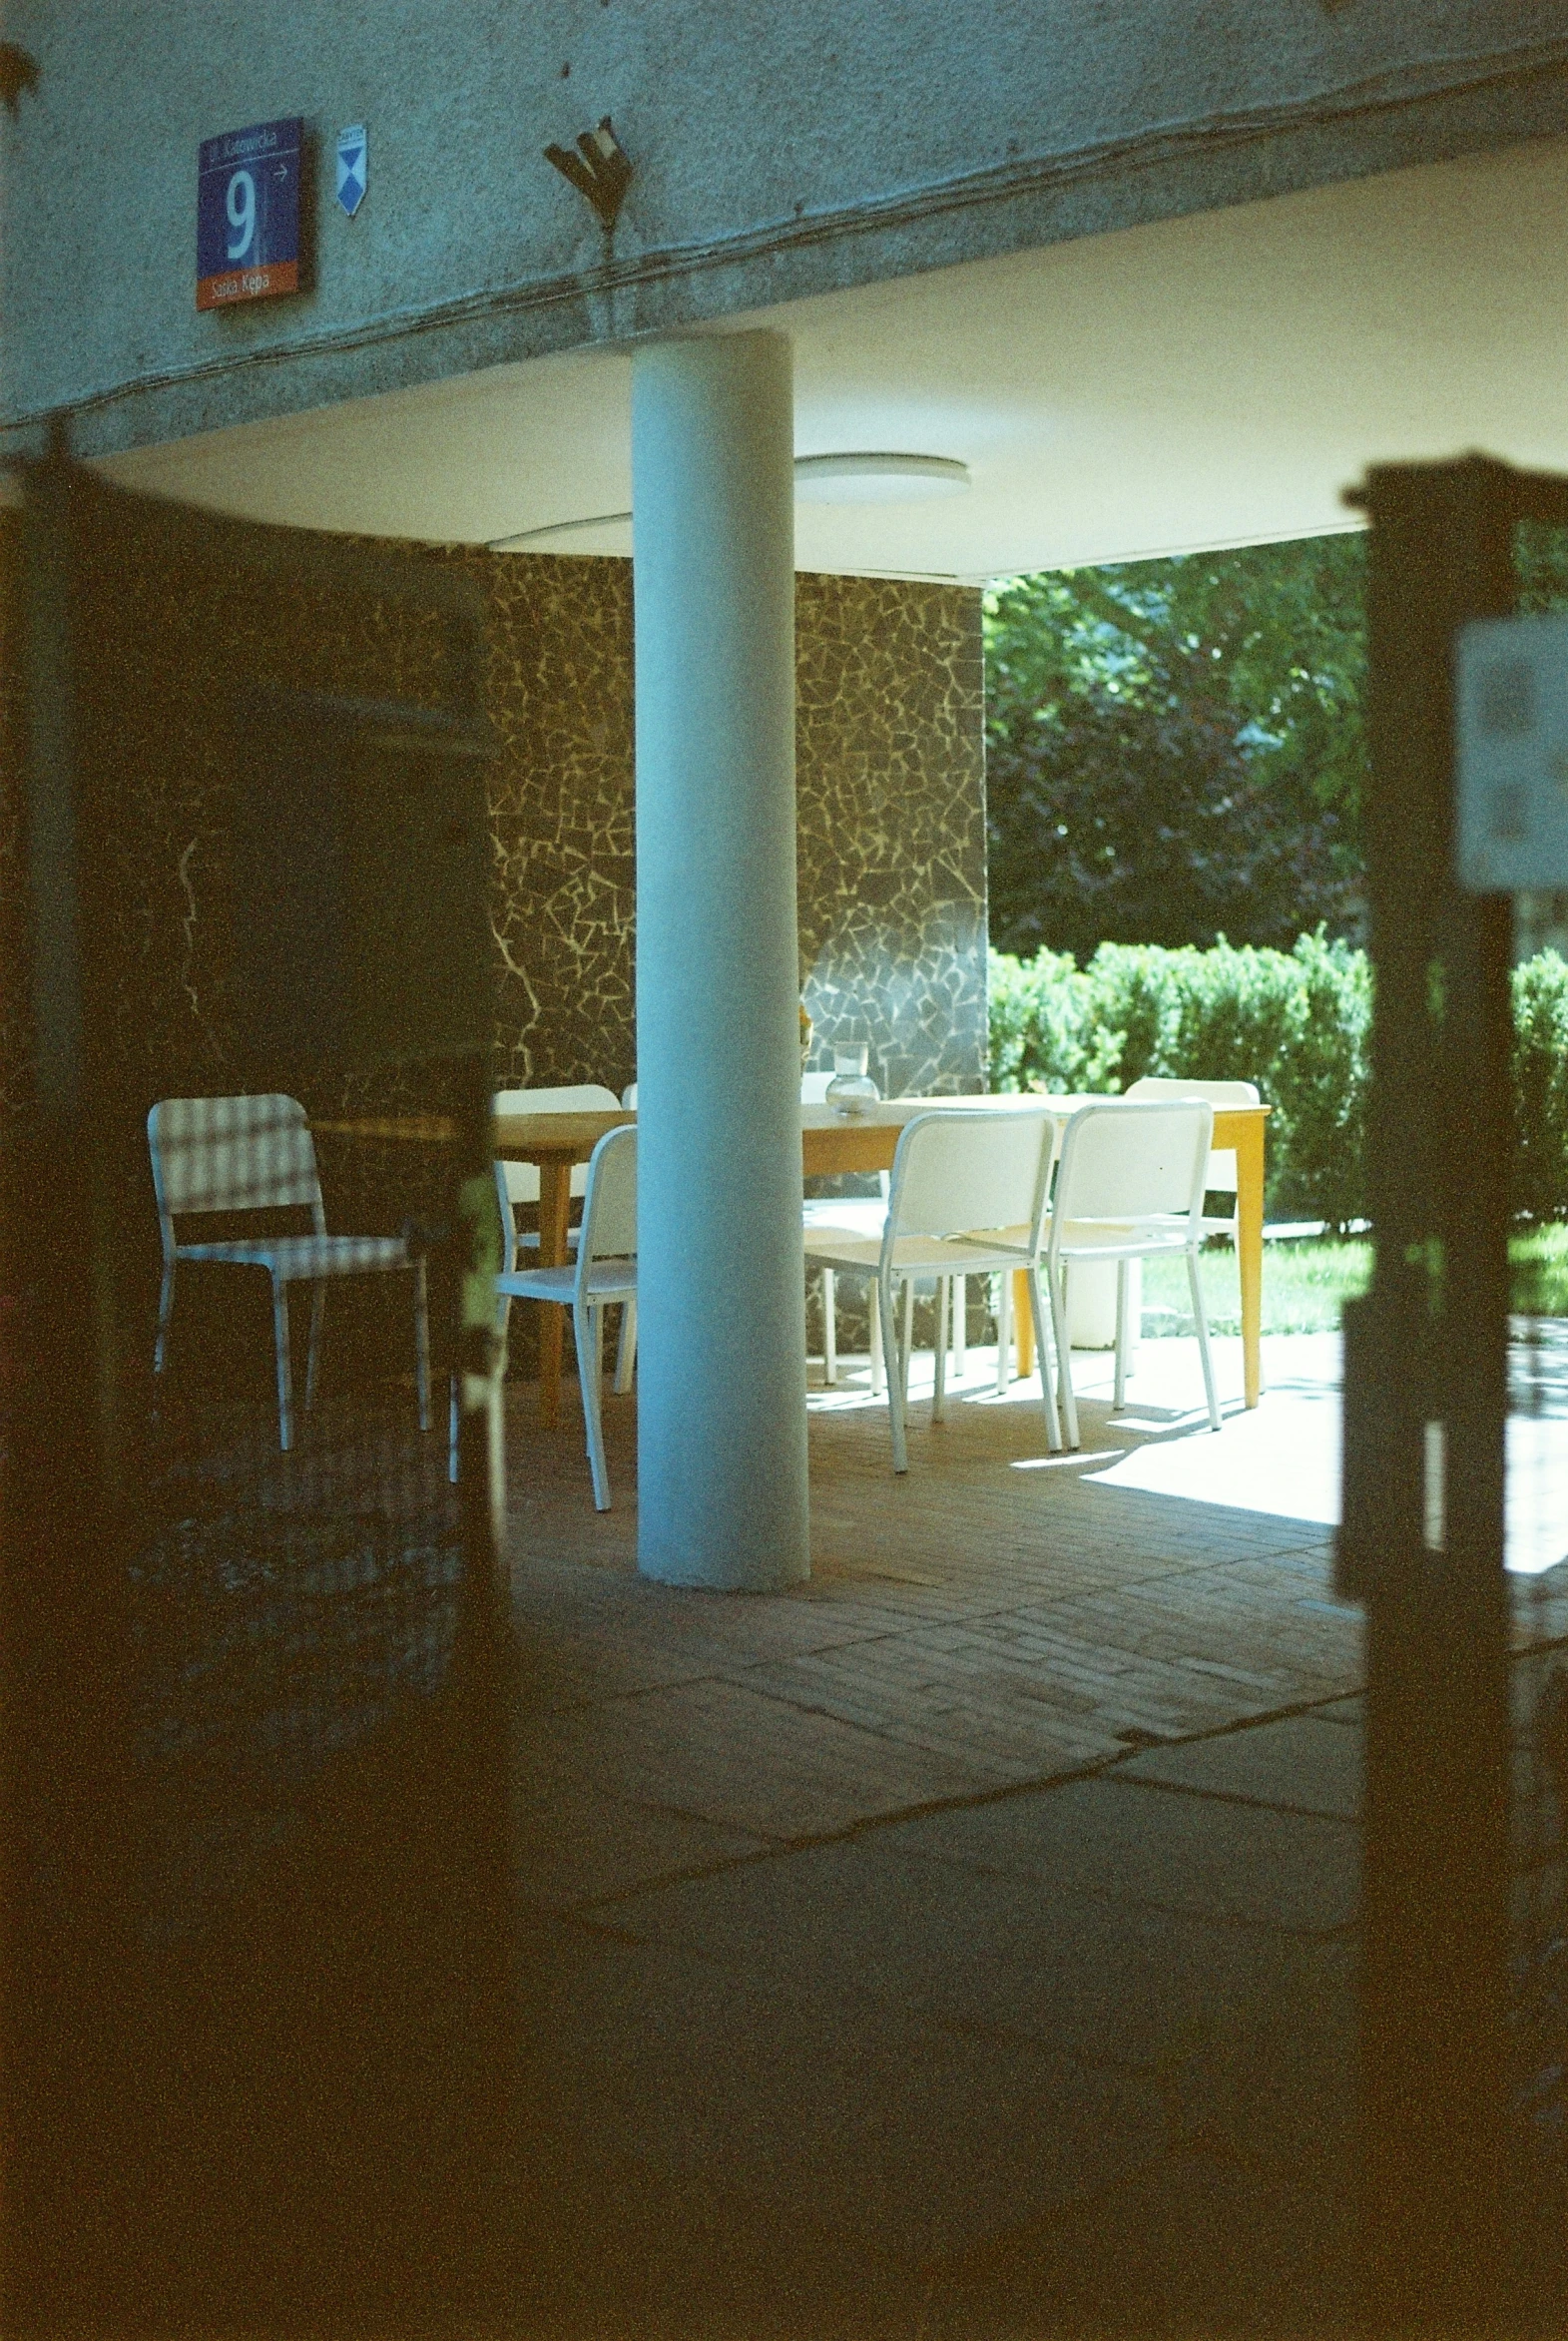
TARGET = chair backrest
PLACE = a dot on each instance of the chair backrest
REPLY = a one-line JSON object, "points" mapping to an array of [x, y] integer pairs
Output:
{"points": [[1134, 1158], [1221, 1173], [1216, 1093], [581, 1097], [610, 1213], [231, 1154], [813, 1088], [960, 1173]]}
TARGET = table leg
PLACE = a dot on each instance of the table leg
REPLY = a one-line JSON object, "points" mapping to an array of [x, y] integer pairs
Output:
{"points": [[555, 1201], [1248, 1143], [1023, 1323]]}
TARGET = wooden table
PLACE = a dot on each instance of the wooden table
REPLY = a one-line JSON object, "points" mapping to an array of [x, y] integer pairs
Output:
{"points": [[829, 1145]]}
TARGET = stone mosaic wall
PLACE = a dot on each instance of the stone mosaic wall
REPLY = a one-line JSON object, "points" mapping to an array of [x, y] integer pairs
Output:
{"points": [[890, 759], [890, 806], [891, 842], [562, 817]]}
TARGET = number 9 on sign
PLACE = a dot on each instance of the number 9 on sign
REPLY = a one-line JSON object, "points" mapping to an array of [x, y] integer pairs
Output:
{"points": [[248, 213], [240, 207]]}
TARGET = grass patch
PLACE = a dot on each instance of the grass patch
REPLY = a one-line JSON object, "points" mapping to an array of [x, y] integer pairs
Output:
{"points": [[1307, 1284], [1538, 1265]]}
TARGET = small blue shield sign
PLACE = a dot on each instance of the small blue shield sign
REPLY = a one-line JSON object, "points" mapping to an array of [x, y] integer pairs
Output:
{"points": [[353, 173]]}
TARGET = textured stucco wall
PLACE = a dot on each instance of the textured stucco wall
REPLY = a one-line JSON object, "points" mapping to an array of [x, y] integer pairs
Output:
{"points": [[779, 152]]}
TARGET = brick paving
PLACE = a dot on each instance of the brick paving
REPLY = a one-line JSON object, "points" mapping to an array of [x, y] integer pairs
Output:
{"points": [[995, 1617]]}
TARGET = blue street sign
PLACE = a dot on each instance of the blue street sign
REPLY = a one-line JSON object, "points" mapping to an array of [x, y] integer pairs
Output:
{"points": [[353, 168], [248, 214]]}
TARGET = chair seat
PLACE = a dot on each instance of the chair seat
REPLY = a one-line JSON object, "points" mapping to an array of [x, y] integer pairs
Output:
{"points": [[293, 1258], [919, 1255], [608, 1280], [843, 1216], [1107, 1239]]}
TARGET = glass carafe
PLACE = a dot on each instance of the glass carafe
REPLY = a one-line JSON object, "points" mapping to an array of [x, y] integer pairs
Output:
{"points": [[852, 1088]]}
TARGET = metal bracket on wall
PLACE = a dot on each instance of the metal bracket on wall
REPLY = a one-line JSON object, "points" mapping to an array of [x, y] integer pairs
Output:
{"points": [[18, 72], [603, 173]]}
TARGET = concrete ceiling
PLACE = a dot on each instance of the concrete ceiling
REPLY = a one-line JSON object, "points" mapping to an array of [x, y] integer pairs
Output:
{"points": [[1210, 381]]}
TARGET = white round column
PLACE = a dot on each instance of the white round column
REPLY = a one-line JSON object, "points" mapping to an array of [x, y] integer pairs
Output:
{"points": [[722, 1460]]}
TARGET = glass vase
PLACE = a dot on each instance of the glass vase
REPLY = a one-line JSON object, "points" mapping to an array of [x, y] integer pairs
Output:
{"points": [[852, 1088]]}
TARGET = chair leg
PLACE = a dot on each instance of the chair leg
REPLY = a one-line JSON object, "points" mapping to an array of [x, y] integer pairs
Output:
{"points": [[944, 1291], [422, 1341], [165, 1310], [626, 1348], [1004, 1331], [451, 1428], [875, 1310], [495, 1428], [1119, 1392], [960, 1313], [906, 1345], [286, 1400], [888, 1312], [830, 1328], [1201, 1322], [314, 1350], [588, 1330], [1064, 1356], [1053, 1427]]}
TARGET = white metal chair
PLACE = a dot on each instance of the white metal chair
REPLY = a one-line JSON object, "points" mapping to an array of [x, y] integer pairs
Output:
{"points": [[957, 1179], [1220, 1176], [1130, 1184], [231, 1154], [836, 1216], [605, 1270], [522, 1178]]}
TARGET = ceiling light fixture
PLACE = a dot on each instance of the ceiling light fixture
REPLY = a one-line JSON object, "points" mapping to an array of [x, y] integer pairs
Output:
{"points": [[818, 479], [878, 479]]}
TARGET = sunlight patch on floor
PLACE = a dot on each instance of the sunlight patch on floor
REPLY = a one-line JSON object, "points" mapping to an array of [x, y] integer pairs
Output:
{"points": [[1281, 1459]]}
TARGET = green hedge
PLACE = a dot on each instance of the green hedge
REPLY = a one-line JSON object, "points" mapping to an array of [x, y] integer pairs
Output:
{"points": [[1540, 1086], [1295, 1022]]}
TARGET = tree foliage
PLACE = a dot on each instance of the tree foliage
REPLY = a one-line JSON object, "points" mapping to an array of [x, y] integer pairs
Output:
{"points": [[1175, 749]]}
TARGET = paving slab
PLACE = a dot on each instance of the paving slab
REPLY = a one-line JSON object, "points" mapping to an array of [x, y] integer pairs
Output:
{"points": [[1189, 2244], [1104, 1980], [853, 2014], [719, 1751], [1135, 1843], [1298, 1765], [852, 2112], [577, 1844]]}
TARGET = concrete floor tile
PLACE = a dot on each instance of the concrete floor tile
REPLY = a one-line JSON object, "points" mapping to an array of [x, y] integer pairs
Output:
{"points": [[1297, 1764], [1187, 2244], [1100, 1980], [854, 2110], [576, 1844], [759, 1765], [1140, 1844]]}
